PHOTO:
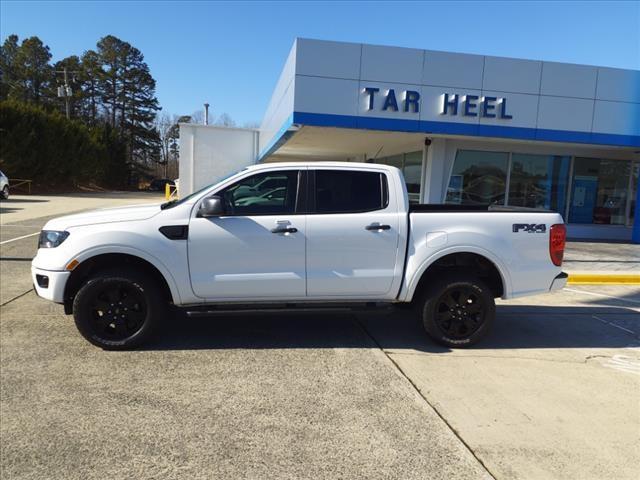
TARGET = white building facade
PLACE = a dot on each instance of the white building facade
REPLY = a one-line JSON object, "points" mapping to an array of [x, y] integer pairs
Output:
{"points": [[465, 129]]}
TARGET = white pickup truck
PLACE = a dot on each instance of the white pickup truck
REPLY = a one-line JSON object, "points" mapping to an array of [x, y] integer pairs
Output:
{"points": [[296, 236]]}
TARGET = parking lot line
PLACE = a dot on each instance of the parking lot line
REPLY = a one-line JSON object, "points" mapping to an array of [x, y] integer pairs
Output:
{"points": [[19, 238], [601, 295]]}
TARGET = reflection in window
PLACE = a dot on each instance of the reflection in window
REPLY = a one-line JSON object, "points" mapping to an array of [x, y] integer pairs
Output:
{"points": [[411, 166], [478, 178], [269, 193], [634, 192], [599, 191], [539, 181]]}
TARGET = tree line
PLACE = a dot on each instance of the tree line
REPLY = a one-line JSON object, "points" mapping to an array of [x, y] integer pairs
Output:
{"points": [[113, 136]]}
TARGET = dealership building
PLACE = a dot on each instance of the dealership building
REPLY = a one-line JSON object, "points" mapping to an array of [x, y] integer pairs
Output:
{"points": [[464, 129]]}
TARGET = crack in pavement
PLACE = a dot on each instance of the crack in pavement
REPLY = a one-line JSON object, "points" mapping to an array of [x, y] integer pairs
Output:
{"points": [[422, 395], [16, 297]]}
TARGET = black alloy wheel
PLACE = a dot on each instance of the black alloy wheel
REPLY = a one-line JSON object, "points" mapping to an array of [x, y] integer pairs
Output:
{"points": [[119, 309], [458, 309], [460, 312]]}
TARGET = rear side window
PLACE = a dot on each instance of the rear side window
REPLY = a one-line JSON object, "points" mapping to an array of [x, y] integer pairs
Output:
{"points": [[344, 191]]}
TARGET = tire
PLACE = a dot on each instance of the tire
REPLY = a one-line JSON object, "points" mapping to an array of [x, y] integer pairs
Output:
{"points": [[119, 309], [458, 310], [5, 192]]}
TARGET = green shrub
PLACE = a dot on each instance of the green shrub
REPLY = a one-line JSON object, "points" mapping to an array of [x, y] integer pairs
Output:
{"points": [[56, 152]]}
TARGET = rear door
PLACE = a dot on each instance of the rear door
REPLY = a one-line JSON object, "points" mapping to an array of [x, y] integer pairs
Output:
{"points": [[352, 234], [256, 250]]}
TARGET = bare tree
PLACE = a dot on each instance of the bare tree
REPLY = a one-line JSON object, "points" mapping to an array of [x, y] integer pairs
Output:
{"points": [[169, 132], [251, 124], [225, 120], [197, 117]]}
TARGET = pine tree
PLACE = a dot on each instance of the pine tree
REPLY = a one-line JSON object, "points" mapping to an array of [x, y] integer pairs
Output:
{"points": [[128, 95], [8, 74], [109, 53], [90, 78], [32, 70]]}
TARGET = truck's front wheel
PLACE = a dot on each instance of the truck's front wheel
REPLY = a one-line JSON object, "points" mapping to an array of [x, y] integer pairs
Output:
{"points": [[458, 310], [118, 309]]}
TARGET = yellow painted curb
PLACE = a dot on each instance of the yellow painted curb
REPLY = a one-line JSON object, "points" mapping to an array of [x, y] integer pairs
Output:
{"points": [[604, 279]]}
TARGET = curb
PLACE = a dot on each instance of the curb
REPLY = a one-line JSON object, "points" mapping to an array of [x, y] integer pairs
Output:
{"points": [[603, 278]]}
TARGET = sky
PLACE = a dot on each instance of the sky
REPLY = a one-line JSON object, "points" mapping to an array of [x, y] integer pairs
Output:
{"points": [[231, 54]]}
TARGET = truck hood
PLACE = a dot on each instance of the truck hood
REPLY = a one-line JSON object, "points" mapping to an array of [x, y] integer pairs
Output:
{"points": [[104, 215]]}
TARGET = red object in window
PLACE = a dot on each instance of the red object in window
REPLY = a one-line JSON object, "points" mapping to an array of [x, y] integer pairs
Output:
{"points": [[557, 238]]}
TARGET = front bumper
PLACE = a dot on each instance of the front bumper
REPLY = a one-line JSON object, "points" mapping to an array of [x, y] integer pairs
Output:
{"points": [[49, 284], [559, 282]]}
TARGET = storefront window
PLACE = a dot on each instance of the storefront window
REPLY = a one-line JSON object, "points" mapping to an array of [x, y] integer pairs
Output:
{"points": [[478, 178], [539, 181], [412, 170], [411, 166], [599, 191]]}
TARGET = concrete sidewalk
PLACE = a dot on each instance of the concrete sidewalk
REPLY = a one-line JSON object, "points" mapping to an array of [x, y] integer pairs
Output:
{"points": [[601, 257]]}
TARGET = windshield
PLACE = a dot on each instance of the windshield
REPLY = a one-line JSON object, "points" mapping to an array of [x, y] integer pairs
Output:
{"points": [[176, 202]]}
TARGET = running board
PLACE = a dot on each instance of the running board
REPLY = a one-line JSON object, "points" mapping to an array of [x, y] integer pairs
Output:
{"points": [[226, 310]]}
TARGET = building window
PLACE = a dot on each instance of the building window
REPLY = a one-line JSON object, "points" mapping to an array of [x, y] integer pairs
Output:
{"points": [[411, 166], [478, 178], [635, 173], [539, 181], [599, 191], [602, 191]]}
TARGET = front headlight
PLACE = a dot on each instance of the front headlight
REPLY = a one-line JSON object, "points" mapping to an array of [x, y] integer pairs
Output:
{"points": [[51, 238]]}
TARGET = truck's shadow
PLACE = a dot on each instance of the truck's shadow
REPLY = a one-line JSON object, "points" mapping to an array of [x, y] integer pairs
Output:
{"points": [[515, 327]]}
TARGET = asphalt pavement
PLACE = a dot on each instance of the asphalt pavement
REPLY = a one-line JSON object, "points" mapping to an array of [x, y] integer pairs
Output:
{"points": [[553, 392]]}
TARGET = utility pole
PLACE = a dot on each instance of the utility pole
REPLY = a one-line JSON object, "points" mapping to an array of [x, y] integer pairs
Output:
{"points": [[65, 91]]}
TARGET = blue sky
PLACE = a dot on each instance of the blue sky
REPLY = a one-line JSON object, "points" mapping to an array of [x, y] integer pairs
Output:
{"points": [[230, 54]]}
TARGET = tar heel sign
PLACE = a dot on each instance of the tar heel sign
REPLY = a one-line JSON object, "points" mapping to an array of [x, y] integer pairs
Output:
{"points": [[406, 103]]}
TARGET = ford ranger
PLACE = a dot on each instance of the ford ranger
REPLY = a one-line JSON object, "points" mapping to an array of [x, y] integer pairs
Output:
{"points": [[296, 236]]}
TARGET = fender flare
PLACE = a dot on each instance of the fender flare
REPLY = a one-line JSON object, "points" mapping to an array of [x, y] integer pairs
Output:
{"points": [[134, 252], [410, 289]]}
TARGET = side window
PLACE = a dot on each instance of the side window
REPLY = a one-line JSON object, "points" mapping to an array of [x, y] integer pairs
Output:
{"points": [[344, 191], [269, 193]]}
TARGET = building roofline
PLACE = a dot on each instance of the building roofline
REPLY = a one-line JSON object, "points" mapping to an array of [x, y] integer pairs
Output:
{"points": [[469, 53]]}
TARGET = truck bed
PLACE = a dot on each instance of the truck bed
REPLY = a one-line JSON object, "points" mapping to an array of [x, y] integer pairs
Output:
{"points": [[440, 207]]}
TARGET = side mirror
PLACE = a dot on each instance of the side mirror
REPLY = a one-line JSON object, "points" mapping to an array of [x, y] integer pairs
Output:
{"points": [[211, 207]]}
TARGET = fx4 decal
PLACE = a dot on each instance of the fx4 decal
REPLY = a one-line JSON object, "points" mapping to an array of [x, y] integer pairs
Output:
{"points": [[529, 227]]}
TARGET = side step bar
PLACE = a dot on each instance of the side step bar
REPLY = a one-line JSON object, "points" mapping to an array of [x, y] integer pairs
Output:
{"points": [[239, 309]]}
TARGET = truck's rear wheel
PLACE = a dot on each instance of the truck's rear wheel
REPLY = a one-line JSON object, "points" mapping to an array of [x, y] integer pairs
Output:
{"points": [[458, 310], [118, 309]]}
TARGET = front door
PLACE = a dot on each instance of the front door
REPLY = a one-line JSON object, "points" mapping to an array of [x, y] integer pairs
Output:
{"points": [[257, 249], [352, 234]]}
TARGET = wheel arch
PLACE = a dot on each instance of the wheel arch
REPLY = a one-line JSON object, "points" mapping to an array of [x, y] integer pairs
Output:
{"points": [[102, 261], [481, 263]]}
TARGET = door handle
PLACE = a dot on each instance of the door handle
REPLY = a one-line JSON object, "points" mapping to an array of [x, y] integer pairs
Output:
{"points": [[284, 230], [375, 226]]}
